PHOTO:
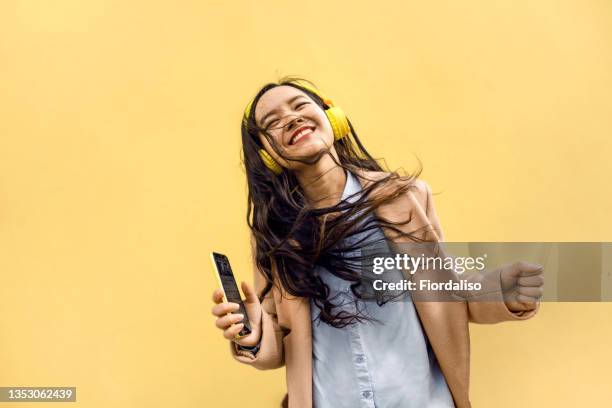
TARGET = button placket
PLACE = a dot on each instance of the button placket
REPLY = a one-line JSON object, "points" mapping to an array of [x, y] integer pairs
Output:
{"points": [[361, 365]]}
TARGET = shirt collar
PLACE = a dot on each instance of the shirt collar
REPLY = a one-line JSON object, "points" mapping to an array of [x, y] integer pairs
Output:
{"points": [[350, 187]]}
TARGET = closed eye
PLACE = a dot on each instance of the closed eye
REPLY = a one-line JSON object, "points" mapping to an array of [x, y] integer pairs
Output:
{"points": [[275, 121], [272, 123]]}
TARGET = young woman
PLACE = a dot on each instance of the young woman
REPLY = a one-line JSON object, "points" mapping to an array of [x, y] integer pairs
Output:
{"points": [[316, 200]]}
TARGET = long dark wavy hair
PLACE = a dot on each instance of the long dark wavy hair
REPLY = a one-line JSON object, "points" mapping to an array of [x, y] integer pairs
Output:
{"points": [[295, 235]]}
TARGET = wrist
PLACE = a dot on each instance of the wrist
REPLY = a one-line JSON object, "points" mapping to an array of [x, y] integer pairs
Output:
{"points": [[253, 349]]}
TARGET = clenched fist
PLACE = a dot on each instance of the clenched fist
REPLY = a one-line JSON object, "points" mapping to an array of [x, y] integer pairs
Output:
{"points": [[522, 284]]}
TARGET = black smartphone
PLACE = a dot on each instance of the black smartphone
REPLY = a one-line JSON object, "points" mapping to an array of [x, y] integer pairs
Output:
{"points": [[225, 276]]}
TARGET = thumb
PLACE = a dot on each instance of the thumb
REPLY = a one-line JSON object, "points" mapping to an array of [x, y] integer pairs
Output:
{"points": [[249, 293]]}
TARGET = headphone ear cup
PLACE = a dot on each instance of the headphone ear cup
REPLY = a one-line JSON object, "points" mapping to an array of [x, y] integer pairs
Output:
{"points": [[338, 122], [269, 162]]}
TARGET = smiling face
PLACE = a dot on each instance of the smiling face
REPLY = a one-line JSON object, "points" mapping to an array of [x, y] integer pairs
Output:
{"points": [[297, 125]]}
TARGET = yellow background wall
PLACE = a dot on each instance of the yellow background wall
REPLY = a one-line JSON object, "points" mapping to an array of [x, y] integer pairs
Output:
{"points": [[119, 172]]}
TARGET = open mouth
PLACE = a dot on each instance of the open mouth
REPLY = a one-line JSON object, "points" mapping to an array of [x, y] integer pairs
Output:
{"points": [[300, 133]]}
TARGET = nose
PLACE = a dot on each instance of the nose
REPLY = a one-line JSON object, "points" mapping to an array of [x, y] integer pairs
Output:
{"points": [[295, 122]]}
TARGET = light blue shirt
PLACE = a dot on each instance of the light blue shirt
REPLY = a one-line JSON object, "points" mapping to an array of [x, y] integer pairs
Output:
{"points": [[383, 364]]}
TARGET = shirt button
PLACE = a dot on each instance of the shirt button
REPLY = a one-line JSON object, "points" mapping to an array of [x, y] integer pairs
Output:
{"points": [[366, 394], [359, 359]]}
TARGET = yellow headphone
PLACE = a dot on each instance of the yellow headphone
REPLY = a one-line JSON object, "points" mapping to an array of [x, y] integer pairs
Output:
{"points": [[335, 115]]}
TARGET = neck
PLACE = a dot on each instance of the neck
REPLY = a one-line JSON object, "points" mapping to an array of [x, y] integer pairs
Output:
{"points": [[322, 182]]}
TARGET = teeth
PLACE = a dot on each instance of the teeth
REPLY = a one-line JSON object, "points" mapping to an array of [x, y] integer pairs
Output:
{"points": [[299, 135]]}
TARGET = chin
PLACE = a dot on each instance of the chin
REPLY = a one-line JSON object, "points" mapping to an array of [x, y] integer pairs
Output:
{"points": [[310, 148]]}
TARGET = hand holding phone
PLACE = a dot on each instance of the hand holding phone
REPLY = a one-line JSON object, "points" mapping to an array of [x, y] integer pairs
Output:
{"points": [[240, 320]]}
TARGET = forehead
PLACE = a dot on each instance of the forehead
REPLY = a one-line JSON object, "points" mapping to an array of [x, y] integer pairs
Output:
{"points": [[275, 97]]}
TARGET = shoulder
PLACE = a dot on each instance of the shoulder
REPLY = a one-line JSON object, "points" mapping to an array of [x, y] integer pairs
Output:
{"points": [[415, 186], [422, 192]]}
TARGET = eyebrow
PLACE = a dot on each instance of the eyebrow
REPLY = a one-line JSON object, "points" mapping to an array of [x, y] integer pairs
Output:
{"points": [[273, 111]]}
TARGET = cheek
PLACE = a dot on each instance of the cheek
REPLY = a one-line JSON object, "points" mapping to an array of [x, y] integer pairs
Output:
{"points": [[325, 127], [328, 132], [269, 139]]}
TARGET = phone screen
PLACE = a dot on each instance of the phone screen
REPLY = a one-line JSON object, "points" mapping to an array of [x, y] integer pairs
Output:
{"points": [[230, 289]]}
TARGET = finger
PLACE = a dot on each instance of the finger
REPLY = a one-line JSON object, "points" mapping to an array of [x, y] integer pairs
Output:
{"points": [[535, 280], [526, 299], [529, 269], [217, 296], [226, 321], [530, 291], [233, 331], [249, 293], [224, 308]]}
